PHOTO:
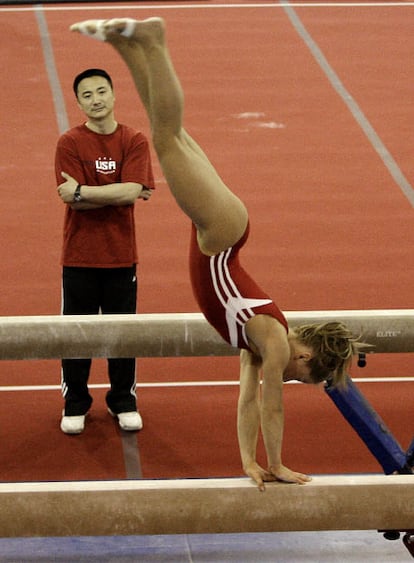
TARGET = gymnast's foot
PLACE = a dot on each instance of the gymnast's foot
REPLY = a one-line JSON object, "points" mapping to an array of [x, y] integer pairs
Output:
{"points": [[109, 30]]}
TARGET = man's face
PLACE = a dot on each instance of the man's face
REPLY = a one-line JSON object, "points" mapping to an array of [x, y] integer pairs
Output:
{"points": [[95, 97]]}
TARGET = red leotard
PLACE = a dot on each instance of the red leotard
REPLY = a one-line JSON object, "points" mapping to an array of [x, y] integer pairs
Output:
{"points": [[226, 294]]}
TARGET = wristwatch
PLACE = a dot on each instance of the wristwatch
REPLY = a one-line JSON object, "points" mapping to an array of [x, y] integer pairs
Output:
{"points": [[77, 194]]}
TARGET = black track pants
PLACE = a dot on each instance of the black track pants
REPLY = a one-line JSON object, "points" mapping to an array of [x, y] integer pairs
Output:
{"points": [[89, 291]]}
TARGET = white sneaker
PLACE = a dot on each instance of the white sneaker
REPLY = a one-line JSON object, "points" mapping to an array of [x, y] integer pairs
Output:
{"points": [[72, 424], [128, 420]]}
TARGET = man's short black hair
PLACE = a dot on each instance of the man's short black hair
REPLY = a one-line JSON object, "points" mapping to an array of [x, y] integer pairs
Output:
{"points": [[87, 74]]}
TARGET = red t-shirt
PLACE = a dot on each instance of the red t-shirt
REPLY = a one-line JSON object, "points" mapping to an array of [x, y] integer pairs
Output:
{"points": [[104, 237]]}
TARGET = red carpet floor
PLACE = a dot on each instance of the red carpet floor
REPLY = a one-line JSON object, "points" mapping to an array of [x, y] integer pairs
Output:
{"points": [[331, 229]]}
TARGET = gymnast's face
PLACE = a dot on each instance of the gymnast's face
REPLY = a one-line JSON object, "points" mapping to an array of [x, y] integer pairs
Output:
{"points": [[298, 368], [96, 97], [297, 371]]}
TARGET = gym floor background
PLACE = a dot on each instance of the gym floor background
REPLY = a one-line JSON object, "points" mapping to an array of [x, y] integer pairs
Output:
{"points": [[306, 111]]}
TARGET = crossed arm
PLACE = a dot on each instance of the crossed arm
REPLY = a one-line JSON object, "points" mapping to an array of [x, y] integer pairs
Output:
{"points": [[94, 197]]}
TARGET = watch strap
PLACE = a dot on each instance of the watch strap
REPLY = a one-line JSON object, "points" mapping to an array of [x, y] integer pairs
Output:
{"points": [[77, 193]]}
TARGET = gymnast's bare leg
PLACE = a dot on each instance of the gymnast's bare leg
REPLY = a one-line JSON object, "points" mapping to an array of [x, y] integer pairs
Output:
{"points": [[218, 214]]}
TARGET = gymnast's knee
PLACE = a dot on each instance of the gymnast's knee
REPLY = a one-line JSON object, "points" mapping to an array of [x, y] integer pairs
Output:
{"points": [[166, 142]]}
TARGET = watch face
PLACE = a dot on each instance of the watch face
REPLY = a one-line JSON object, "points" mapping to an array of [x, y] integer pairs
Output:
{"points": [[77, 195]]}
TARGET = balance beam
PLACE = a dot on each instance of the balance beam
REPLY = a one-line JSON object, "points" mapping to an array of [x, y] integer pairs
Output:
{"points": [[194, 506], [175, 334]]}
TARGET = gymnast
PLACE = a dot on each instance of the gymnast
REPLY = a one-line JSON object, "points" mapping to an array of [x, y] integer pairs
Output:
{"points": [[228, 297]]}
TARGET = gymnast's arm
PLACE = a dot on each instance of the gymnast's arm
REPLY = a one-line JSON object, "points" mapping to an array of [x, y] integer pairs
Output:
{"points": [[268, 337], [248, 417]]}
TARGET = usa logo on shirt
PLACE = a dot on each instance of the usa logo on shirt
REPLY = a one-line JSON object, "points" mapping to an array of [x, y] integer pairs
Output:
{"points": [[105, 165]]}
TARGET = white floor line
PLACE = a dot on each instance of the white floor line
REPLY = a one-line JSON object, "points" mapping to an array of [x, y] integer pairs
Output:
{"points": [[8, 388], [161, 7]]}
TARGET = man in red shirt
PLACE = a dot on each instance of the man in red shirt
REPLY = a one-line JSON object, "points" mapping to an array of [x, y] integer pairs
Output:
{"points": [[102, 167]]}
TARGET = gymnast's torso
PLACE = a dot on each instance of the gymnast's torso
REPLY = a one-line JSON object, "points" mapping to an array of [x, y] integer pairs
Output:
{"points": [[227, 296]]}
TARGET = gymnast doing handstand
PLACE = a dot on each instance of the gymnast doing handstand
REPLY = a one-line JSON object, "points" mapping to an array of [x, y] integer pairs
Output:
{"points": [[228, 297]]}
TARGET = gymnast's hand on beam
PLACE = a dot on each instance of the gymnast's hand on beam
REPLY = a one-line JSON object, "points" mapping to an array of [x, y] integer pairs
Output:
{"points": [[282, 473], [259, 475]]}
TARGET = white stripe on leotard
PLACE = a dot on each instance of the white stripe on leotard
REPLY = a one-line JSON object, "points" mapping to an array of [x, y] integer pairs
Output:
{"points": [[238, 308]]}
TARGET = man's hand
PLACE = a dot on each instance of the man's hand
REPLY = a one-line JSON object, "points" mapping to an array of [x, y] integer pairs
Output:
{"points": [[259, 475], [145, 194], [67, 188], [282, 473]]}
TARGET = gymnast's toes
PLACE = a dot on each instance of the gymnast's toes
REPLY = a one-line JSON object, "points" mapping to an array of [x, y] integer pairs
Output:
{"points": [[91, 28]]}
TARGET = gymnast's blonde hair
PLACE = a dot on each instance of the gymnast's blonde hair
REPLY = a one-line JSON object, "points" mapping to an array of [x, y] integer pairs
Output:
{"points": [[333, 345]]}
